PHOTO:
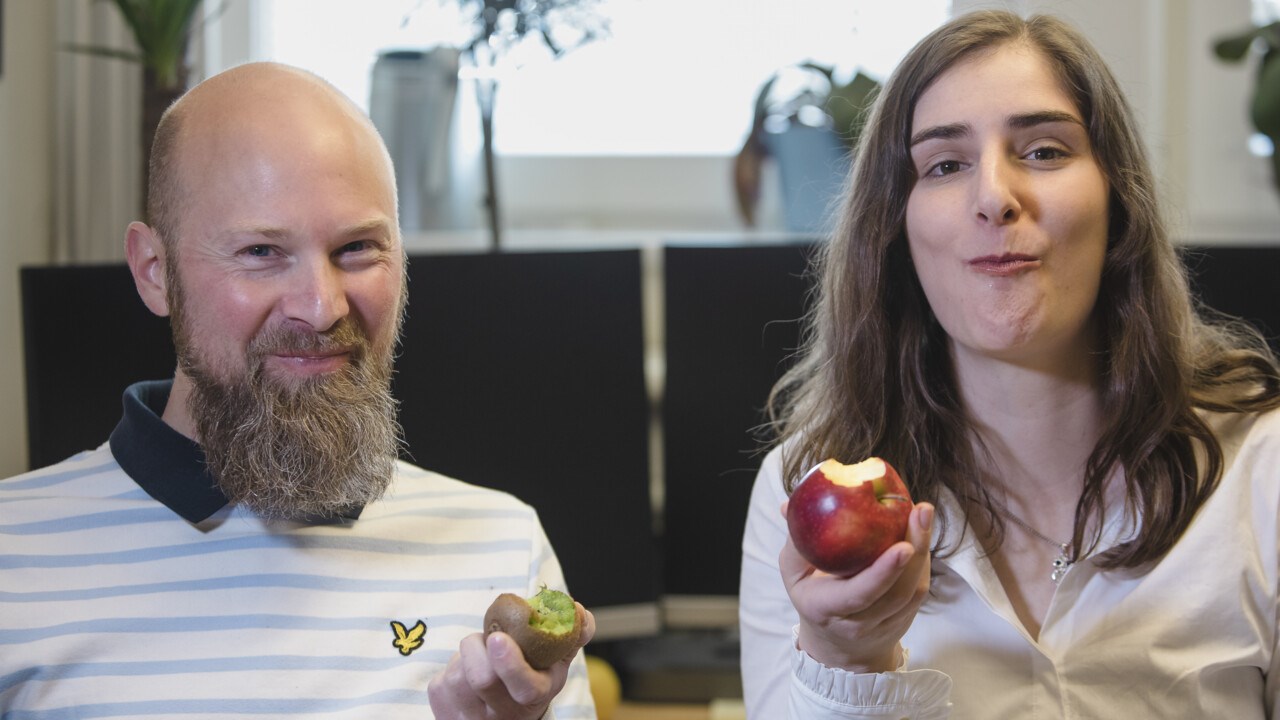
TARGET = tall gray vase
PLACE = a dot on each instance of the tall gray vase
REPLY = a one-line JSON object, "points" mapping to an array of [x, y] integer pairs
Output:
{"points": [[414, 103]]}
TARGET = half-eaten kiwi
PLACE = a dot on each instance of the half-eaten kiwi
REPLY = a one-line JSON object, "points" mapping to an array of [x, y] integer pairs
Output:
{"points": [[546, 626]]}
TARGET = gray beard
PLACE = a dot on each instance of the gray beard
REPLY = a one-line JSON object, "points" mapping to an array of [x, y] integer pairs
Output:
{"points": [[305, 449]]}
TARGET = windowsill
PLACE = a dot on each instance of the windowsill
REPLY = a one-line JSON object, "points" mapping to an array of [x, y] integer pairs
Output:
{"points": [[575, 239]]}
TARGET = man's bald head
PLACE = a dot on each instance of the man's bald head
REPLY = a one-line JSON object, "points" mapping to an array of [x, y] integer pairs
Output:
{"points": [[223, 118], [275, 251]]}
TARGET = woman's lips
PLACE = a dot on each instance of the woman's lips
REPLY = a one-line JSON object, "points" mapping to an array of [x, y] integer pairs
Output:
{"points": [[1004, 265]]}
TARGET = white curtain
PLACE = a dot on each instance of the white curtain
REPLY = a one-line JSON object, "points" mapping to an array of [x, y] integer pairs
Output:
{"points": [[97, 116]]}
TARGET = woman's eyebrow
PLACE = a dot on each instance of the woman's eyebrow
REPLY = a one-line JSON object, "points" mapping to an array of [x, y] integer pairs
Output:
{"points": [[941, 132], [1019, 122], [1042, 117]]}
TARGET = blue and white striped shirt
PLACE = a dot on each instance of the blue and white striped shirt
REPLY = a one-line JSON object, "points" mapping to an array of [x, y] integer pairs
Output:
{"points": [[114, 605]]}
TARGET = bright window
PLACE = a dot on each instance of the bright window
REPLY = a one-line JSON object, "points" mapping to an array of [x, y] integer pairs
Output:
{"points": [[674, 77], [1266, 11]]}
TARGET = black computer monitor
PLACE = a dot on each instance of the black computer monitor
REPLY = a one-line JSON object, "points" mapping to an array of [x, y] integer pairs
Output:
{"points": [[732, 327], [525, 372], [86, 337], [1239, 280]]}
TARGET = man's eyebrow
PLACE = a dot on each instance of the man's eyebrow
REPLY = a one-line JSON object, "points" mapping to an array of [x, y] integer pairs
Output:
{"points": [[1019, 122], [371, 226], [267, 233]]}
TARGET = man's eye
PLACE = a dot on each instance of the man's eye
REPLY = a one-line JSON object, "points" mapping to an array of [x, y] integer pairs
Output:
{"points": [[355, 246], [258, 251]]}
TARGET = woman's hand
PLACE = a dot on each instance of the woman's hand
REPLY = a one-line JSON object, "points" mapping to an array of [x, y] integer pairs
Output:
{"points": [[488, 679], [855, 623]]}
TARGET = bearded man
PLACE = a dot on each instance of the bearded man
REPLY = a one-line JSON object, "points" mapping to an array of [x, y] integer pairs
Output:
{"points": [[247, 542]]}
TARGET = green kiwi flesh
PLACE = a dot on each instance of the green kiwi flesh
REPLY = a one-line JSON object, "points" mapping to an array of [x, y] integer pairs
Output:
{"points": [[545, 626]]}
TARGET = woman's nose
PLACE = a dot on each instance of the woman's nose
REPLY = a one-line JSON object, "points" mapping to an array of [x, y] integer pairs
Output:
{"points": [[997, 192]]}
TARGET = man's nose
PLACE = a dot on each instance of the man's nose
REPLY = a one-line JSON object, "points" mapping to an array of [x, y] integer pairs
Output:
{"points": [[317, 295]]}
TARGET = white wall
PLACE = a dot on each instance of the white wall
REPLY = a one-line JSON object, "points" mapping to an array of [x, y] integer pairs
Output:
{"points": [[25, 209]]}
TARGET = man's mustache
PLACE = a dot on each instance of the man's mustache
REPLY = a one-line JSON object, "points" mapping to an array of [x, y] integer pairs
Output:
{"points": [[344, 337]]}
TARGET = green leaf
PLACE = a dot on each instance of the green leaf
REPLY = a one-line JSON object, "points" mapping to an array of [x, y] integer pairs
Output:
{"points": [[130, 55], [1270, 34], [1233, 49], [762, 100], [827, 72], [555, 49], [161, 29], [1275, 163], [848, 106], [1265, 109], [129, 11]]}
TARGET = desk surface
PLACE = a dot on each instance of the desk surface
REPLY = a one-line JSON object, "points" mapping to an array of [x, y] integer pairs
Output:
{"points": [[719, 710]]}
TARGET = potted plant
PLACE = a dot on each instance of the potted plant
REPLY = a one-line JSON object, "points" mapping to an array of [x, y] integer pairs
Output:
{"points": [[161, 30], [495, 29], [809, 123], [1264, 108]]}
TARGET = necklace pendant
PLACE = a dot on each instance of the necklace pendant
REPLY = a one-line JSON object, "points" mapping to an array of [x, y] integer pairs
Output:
{"points": [[1061, 564]]}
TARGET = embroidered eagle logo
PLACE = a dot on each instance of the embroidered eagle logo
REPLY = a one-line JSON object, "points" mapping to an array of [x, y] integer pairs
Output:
{"points": [[408, 640]]}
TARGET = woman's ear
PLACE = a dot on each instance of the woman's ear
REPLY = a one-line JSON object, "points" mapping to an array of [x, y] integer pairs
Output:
{"points": [[145, 252]]}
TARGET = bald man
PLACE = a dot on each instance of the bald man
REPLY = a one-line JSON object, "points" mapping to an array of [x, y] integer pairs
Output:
{"points": [[246, 542]]}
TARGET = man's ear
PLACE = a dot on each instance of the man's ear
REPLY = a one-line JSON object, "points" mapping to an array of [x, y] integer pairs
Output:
{"points": [[145, 252]]}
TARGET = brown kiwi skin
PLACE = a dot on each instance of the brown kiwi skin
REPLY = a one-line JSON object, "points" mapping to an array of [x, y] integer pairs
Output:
{"points": [[510, 613]]}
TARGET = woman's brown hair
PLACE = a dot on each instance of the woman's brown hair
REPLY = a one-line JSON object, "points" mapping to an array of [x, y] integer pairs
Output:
{"points": [[875, 377]]}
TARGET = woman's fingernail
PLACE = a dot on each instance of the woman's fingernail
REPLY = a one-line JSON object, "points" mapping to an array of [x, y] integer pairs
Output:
{"points": [[926, 518]]}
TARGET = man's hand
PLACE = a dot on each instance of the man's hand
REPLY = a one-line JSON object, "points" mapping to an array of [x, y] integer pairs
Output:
{"points": [[488, 679]]}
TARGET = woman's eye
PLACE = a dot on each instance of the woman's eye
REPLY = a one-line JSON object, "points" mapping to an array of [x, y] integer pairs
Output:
{"points": [[1047, 153], [946, 167]]}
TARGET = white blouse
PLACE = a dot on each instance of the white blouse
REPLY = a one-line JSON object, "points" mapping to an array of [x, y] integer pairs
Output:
{"points": [[1194, 636]]}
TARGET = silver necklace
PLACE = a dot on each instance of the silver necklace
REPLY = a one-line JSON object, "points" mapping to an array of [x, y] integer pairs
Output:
{"points": [[1062, 562]]}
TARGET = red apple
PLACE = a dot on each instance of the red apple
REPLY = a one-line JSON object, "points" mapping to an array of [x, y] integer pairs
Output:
{"points": [[842, 517]]}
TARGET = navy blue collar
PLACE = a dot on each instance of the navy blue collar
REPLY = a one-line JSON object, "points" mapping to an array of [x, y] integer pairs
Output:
{"points": [[168, 465]]}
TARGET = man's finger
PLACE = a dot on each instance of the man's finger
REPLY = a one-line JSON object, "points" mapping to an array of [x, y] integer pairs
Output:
{"points": [[588, 624], [474, 660], [449, 692], [526, 686]]}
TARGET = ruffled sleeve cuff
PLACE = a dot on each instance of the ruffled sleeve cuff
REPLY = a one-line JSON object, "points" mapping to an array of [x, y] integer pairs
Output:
{"points": [[818, 691]]}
